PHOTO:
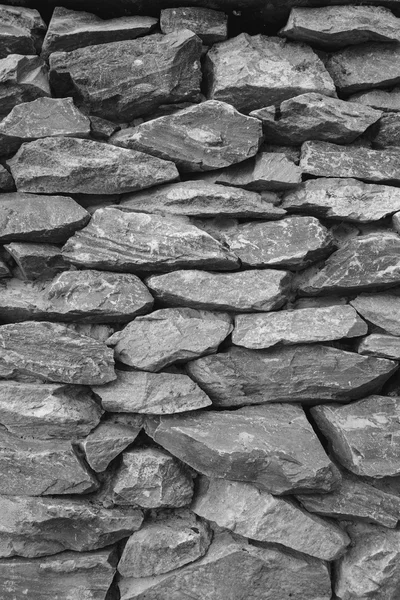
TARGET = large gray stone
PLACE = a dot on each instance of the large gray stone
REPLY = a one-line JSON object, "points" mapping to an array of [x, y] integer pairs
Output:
{"points": [[381, 309], [380, 344], [127, 79], [23, 79], [37, 261], [254, 71], [380, 99], [209, 25], [21, 30], [303, 373], [274, 447]]}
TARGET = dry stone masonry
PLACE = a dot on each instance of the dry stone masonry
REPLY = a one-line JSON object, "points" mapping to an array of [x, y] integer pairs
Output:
{"points": [[200, 300]]}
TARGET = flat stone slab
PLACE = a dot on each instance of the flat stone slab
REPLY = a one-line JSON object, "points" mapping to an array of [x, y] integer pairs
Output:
{"points": [[151, 393], [380, 99], [52, 352], [71, 165], [304, 373], [315, 117], [210, 26], [381, 309], [254, 71], [300, 326], [37, 261], [380, 344], [23, 79], [245, 291], [69, 29], [21, 30], [89, 75], [168, 336], [363, 434], [268, 446], [136, 242], [39, 526]]}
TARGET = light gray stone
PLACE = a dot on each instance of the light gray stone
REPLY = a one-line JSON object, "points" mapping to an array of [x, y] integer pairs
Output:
{"points": [[380, 344], [209, 25], [37, 261], [23, 79], [21, 30], [380, 99], [381, 309]]}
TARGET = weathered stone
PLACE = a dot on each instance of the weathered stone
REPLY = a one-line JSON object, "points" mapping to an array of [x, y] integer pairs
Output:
{"points": [[380, 344], [69, 30], [335, 27], [22, 79], [136, 242], [109, 439], [380, 99], [102, 129], [47, 411], [269, 446], [100, 333], [363, 263], [168, 336], [207, 136], [63, 577], [127, 79], [386, 132], [209, 25], [344, 199], [305, 373], [37, 261], [166, 542], [71, 165], [364, 434], [381, 309], [151, 478], [21, 30], [299, 326], [152, 393], [52, 352], [7, 183], [258, 515], [254, 71], [315, 117], [235, 570], [245, 291], [203, 199]]}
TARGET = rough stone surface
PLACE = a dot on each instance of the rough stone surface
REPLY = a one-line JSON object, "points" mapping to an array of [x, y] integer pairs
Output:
{"points": [[22, 79], [151, 478], [254, 71], [34, 527], [70, 165], [209, 25], [135, 242], [165, 542], [380, 99], [152, 393], [386, 132], [20, 30], [52, 352], [300, 326], [364, 434], [381, 309], [380, 344], [6, 180], [168, 336], [269, 446], [70, 29], [255, 514], [289, 374], [4, 270], [37, 261], [127, 79]]}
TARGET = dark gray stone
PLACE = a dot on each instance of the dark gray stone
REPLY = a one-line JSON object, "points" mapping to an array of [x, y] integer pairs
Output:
{"points": [[209, 25], [37, 261], [24, 78], [21, 30]]}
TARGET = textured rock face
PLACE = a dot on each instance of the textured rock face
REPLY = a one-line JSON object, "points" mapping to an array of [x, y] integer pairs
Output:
{"points": [[378, 344], [20, 30], [382, 310], [37, 261], [122, 80], [258, 446], [386, 132], [6, 180], [209, 25], [23, 79], [381, 99], [293, 374], [253, 71]]}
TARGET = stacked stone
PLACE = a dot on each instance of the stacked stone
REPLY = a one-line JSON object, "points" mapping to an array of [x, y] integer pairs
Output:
{"points": [[200, 305]]}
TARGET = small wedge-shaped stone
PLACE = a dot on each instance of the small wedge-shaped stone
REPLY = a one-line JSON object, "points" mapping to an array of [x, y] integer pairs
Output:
{"points": [[380, 344], [203, 199], [343, 199], [315, 117], [123, 80], [382, 310], [151, 478], [380, 99], [300, 326], [71, 165], [335, 27], [236, 570], [135, 242], [20, 30], [254, 71], [206, 136], [69, 29], [167, 541], [304, 373], [41, 468], [33, 527], [6, 180], [364, 435], [363, 263], [37, 218], [37, 261], [209, 25], [258, 515], [168, 336], [47, 411], [63, 577], [152, 393], [269, 446], [52, 352], [246, 291], [23, 79]]}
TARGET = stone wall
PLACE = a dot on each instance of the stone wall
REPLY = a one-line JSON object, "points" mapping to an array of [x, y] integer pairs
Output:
{"points": [[200, 300]]}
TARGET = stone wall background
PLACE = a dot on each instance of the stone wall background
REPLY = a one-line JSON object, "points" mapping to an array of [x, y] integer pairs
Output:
{"points": [[200, 300]]}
